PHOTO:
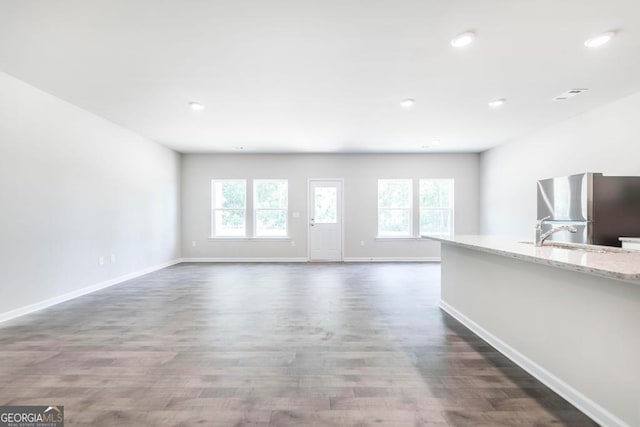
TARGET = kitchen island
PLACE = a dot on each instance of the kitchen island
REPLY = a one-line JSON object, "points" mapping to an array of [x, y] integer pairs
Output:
{"points": [[569, 316]]}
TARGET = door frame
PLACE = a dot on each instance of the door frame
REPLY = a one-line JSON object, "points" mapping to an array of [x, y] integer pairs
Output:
{"points": [[341, 212]]}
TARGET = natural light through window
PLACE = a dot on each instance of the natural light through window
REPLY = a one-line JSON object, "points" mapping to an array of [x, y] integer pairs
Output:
{"points": [[271, 199], [229, 207], [394, 207], [326, 205], [436, 207]]}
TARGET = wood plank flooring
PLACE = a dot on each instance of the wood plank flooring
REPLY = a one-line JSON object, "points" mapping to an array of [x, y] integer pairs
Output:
{"points": [[269, 345]]}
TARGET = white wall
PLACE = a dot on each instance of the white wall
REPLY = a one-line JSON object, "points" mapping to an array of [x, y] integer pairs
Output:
{"points": [[360, 174], [74, 187], [606, 139]]}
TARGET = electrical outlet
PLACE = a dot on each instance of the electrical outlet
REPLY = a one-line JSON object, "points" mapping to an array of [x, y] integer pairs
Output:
{"points": [[113, 258], [293, 243], [193, 243], [361, 242], [101, 260]]}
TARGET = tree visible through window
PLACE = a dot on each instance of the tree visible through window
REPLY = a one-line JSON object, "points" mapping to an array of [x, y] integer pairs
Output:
{"points": [[325, 203], [270, 207], [394, 207], [229, 204], [436, 207]]}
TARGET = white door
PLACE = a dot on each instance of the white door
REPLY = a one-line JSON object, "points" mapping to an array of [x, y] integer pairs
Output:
{"points": [[325, 220]]}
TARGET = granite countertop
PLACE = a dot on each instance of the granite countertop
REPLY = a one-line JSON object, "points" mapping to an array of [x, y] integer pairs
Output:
{"points": [[620, 265]]}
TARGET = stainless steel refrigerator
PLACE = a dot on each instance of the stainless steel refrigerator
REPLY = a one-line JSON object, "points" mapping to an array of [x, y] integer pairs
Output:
{"points": [[602, 208]]}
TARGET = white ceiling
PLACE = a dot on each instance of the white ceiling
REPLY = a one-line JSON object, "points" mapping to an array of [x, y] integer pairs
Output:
{"points": [[323, 75]]}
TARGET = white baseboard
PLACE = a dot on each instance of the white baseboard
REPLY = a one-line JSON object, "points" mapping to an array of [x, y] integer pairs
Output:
{"points": [[31, 308], [245, 260], [391, 259], [596, 412], [346, 259]]}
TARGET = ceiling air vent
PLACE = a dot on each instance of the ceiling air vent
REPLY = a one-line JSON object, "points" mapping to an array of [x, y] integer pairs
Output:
{"points": [[569, 94]]}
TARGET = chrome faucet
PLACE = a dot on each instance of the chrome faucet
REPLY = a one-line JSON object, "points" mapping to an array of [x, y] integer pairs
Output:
{"points": [[541, 237], [537, 240]]}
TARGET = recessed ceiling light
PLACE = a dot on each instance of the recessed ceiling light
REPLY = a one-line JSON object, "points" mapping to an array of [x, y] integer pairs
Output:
{"points": [[435, 142], [196, 106], [599, 40], [497, 103], [464, 39], [407, 103], [239, 148], [569, 94]]}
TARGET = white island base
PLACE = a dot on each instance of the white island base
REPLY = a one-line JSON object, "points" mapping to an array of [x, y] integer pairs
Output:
{"points": [[577, 332]]}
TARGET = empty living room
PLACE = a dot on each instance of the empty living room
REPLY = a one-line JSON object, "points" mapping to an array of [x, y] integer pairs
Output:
{"points": [[318, 213]]}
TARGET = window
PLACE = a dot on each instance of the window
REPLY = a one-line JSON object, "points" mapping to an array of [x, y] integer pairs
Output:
{"points": [[270, 198], [229, 207], [436, 207], [394, 207], [325, 205]]}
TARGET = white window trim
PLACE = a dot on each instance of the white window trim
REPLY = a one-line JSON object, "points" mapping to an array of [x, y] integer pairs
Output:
{"points": [[409, 209], [214, 209], [450, 209], [449, 212], [254, 235]]}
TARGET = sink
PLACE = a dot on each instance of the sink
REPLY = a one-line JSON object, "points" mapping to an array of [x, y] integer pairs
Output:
{"points": [[587, 248]]}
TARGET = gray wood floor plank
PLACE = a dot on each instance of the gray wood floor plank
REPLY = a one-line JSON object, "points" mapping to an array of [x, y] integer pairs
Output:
{"points": [[269, 345]]}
